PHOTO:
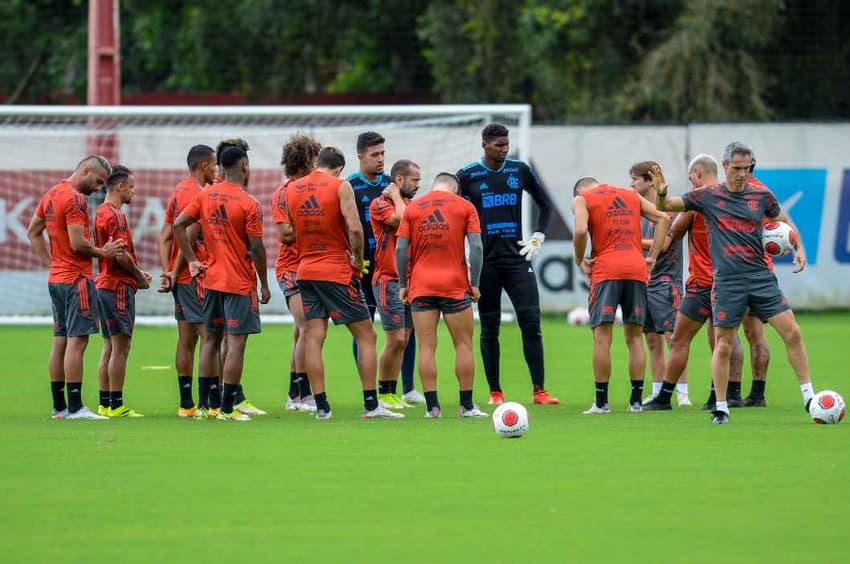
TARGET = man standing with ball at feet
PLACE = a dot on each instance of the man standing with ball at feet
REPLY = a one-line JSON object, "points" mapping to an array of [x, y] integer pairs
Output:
{"points": [[494, 184], [733, 212]]}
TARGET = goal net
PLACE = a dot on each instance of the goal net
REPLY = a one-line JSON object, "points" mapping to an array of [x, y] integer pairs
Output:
{"points": [[43, 144]]}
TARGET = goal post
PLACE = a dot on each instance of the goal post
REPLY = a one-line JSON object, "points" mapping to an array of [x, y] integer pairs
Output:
{"points": [[44, 143]]}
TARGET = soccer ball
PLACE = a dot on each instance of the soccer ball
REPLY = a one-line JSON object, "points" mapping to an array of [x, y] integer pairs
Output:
{"points": [[510, 420], [578, 316], [777, 238], [827, 407]]}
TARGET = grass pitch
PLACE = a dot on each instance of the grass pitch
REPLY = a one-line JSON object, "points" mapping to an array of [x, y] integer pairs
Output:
{"points": [[652, 487]]}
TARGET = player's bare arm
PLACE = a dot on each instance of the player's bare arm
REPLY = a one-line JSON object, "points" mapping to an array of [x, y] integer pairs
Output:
{"points": [[285, 233], [166, 236], [662, 226], [348, 208], [35, 232], [258, 256], [662, 201], [582, 219], [394, 194], [401, 260], [800, 261], [180, 227], [126, 262], [476, 263], [81, 245], [681, 225]]}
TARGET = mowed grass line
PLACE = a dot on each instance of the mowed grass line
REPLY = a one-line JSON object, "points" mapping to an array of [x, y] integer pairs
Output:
{"points": [[663, 487]]}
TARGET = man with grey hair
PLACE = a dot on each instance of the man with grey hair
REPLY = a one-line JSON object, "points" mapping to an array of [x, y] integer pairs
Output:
{"points": [[733, 212]]}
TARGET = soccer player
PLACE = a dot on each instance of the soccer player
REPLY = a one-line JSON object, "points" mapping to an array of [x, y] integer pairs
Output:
{"points": [[368, 183], [186, 290], [618, 272], [386, 212], [299, 159], [438, 281], [117, 281], [494, 184], [664, 291], [324, 222], [232, 227], [733, 212], [63, 213]]}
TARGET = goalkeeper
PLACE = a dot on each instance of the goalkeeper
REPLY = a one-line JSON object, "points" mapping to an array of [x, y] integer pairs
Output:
{"points": [[494, 184]]}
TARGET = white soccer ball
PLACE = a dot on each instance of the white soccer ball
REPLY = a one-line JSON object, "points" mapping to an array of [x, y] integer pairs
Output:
{"points": [[777, 238], [827, 407], [510, 420], [578, 316]]}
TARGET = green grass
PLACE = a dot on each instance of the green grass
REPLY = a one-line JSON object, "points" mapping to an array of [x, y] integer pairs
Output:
{"points": [[662, 487]]}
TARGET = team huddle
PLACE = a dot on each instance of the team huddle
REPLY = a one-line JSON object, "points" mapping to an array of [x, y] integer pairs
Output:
{"points": [[346, 249], [350, 247]]}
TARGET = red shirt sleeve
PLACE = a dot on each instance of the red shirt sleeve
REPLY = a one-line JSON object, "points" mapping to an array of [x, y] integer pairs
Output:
{"points": [[39, 211], [76, 210], [473, 224], [404, 226], [280, 211], [171, 209], [254, 219], [193, 208], [381, 209]]}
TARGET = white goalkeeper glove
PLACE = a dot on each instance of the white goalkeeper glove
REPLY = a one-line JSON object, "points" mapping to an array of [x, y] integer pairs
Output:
{"points": [[531, 248]]}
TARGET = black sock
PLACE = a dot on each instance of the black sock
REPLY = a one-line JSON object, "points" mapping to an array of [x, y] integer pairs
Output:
{"points": [[637, 391], [667, 389], [393, 386], [57, 390], [184, 384], [466, 399], [103, 398], [733, 390], [204, 391], [116, 399], [303, 385], [370, 400], [431, 400], [294, 391], [408, 364], [239, 396], [215, 394], [601, 394], [75, 396], [757, 391], [228, 398], [384, 387], [322, 402]]}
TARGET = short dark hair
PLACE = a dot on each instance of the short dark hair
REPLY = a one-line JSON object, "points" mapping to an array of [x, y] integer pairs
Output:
{"points": [[446, 177], [104, 164], [118, 175], [331, 158], [225, 143], [642, 169], [582, 182], [298, 154], [368, 139], [231, 156], [492, 131], [402, 167], [197, 155]]}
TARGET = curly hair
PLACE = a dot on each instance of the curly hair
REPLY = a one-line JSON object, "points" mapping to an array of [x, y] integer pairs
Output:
{"points": [[299, 154]]}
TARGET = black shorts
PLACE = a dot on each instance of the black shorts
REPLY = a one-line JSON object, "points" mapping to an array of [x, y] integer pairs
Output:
{"points": [[189, 302], [342, 304], [696, 304], [605, 296], [288, 285], [117, 310], [234, 313], [759, 292], [395, 314], [75, 308], [444, 305], [662, 302]]}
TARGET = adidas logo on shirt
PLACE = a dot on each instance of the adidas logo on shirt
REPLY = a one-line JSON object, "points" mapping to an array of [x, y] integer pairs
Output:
{"points": [[311, 208], [434, 222], [219, 216], [618, 207]]}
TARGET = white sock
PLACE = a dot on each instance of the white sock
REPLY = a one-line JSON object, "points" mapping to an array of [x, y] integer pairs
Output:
{"points": [[721, 406], [656, 387], [808, 390], [682, 388]]}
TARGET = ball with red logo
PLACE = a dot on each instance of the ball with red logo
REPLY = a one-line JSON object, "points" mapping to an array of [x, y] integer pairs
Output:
{"points": [[827, 407], [777, 238], [510, 420]]}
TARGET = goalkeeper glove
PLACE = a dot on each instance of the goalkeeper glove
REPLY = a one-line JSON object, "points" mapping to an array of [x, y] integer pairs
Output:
{"points": [[531, 248]]}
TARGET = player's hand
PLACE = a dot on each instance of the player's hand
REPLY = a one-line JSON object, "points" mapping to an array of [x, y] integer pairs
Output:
{"points": [[531, 248], [402, 295], [587, 267], [144, 280], [657, 177], [799, 262], [392, 192], [265, 294], [476, 294], [113, 248], [165, 282], [650, 263], [197, 268]]}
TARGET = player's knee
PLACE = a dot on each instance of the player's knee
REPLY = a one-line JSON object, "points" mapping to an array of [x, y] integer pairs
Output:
{"points": [[792, 335], [489, 327]]}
